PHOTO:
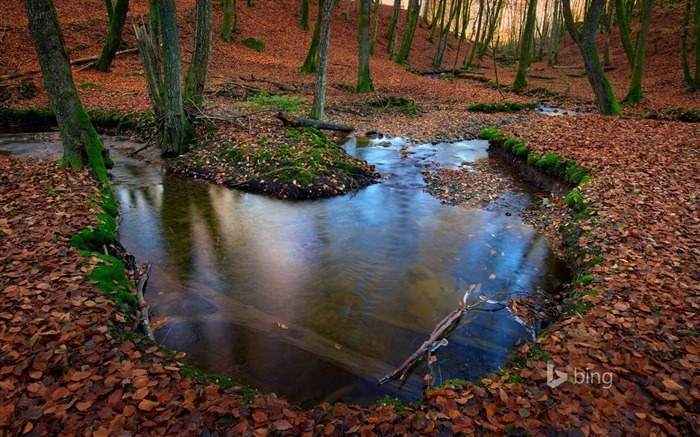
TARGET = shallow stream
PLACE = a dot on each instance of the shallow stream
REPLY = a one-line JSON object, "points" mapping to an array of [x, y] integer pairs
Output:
{"points": [[317, 300]]}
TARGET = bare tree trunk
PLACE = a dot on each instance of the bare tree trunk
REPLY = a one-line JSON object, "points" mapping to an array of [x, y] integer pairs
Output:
{"points": [[174, 135], [114, 36], [393, 24], [151, 68], [81, 145], [553, 57], [323, 46], [197, 73], [604, 95], [364, 78], [304, 19]]}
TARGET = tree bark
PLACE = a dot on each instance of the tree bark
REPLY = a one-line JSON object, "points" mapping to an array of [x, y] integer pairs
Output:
{"points": [[323, 46], [553, 57], [526, 47], [395, 11], [408, 31], [304, 19], [684, 45], [151, 68], [114, 36], [635, 95], [174, 135], [196, 79], [81, 145], [623, 24], [364, 79], [311, 60], [604, 95]]}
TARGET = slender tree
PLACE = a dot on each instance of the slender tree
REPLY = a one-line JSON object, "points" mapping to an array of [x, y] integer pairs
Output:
{"points": [[304, 19], [375, 27], [197, 73], [175, 131], [323, 46], [635, 95], [311, 59], [364, 78], [154, 18], [229, 22], [526, 41], [409, 31], [604, 95], [553, 56], [623, 24], [393, 22], [81, 145], [114, 35], [693, 81]]}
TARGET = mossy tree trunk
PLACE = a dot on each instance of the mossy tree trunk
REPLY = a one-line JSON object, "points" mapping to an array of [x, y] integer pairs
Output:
{"points": [[526, 40], [311, 60], [479, 24], [635, 95], [692, 80], [408, 31], [81, 145], [154, 18], [393, 23], [229, 21], [175, 124], [605, 97], [114, 35], [151, 67], [304, 19], [323, 48], [375, 27], [197, 73], [493, 21], [623, 24], [364, 78]]}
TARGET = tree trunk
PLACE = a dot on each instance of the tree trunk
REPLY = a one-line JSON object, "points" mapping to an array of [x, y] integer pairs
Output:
{"points": [[623, 24], [304, 19], [696, 21], [553, 57], [225, 33], [376, 27], [408, 31], [323, 46], [634, 95], [479, 23], [81, 145], [311, 60], [174, 135], [154, 18], [393, 23], [364, 79], [684, 45], [604, 95], [526, 47], [151, 68], [114, 36], [494, 19], [197, 73]]}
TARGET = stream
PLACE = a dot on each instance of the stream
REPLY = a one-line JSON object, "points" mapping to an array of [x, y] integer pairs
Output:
{"points": [[317, 300]]}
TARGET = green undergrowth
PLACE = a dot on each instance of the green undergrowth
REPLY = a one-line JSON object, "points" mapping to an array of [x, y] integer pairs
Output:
{"points": [[256, 44], [100, 118], [567, 171], [295, 163], [504, 106], [677, 114], [108, 273], [400, 104], [264, 101]]}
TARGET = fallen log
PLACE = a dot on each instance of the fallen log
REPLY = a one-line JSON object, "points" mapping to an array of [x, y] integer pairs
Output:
{"points": [[427, 345], [73, 62], [293, 121], [281, 85], [143, 306]]}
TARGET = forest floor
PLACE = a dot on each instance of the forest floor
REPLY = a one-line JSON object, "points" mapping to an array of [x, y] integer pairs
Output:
{"points": [[70, 362]]}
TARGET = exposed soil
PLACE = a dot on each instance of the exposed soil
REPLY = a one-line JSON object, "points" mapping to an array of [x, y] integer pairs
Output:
{"points": [[69, 364]]}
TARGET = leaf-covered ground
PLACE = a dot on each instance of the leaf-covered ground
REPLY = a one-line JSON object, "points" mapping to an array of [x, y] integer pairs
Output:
{"points": [[69, 363]]}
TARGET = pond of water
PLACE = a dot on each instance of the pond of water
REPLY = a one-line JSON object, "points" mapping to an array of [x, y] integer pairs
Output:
{"points": [[316, 300]]}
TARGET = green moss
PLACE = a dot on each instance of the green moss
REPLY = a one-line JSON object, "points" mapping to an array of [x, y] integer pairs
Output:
{"points": [[110, 277], [575, 200], [552, 164], [397, 403], [504, 106], [256, 44], [402, 104]]}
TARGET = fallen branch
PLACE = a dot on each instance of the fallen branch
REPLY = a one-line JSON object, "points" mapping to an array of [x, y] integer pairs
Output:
{"points": [[428, 344], [290, 120], [73, 62], [143, 306]]}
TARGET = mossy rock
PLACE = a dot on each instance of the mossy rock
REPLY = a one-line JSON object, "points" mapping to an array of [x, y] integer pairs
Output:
{"points": [[110, 276], [505, 106], [256, 44]]}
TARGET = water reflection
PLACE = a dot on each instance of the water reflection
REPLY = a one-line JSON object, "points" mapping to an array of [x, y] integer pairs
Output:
{"points": [[316, 300]]}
